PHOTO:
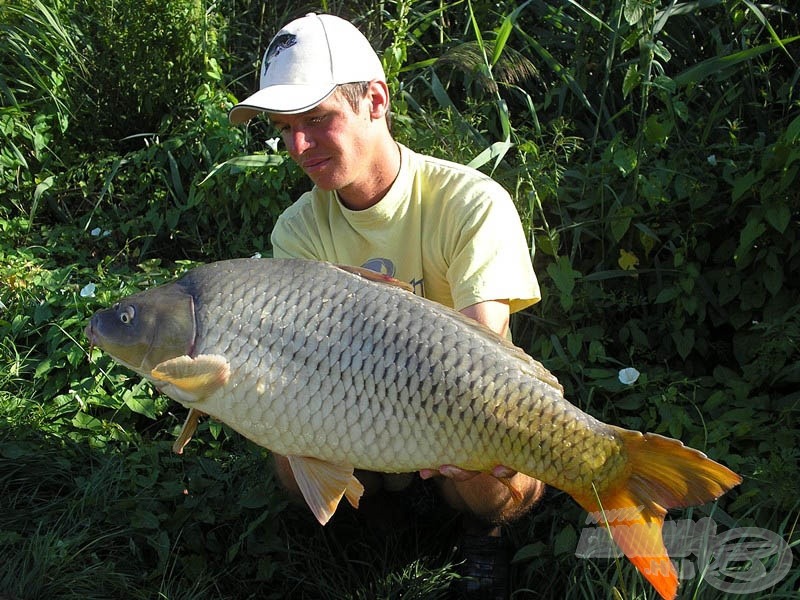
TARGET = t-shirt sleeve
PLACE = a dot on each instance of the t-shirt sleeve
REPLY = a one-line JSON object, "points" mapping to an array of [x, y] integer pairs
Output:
{"points": [[489, 258]]}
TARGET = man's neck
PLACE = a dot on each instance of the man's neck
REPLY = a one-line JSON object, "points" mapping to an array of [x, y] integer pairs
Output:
{"points": [[361, 196]]}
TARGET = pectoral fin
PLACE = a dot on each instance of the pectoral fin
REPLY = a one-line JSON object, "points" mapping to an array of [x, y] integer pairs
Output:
{"points": [[192, 378], [323, 484]]}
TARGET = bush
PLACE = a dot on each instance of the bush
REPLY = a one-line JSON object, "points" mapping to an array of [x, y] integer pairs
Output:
{"points": [[145, 61]]}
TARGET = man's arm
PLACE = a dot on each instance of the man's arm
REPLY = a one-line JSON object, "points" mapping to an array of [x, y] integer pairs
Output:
{"points": [[492, 313]]}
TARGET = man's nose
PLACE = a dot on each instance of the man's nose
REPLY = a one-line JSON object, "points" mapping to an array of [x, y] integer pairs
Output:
{"points": [[299, 141]]}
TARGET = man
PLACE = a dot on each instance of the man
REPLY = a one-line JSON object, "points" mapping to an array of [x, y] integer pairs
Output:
{"points": [[450, 231]]}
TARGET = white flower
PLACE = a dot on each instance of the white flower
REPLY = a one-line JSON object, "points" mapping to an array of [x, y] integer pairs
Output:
{"points": [[256, 255], [628, 376], [95, 232], [88, 290], [273, 143], [712, 160]]}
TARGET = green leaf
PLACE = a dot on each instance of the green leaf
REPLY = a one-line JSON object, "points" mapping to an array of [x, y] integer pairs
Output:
{"points": [[574, 344], [564, 276], [744, 184], [494, 152], [241, 163], [530, 551], [657, 129], [753, 230], [778, 215], [667, 295], [565, 541], [83, 421], [684, 342], [661, 51], [629, 402], [625, 159], [718, 64], [631, 80], [215, 428], [548, 242], [44, 366], [139, 402], [619, 220], [729, 288], [256, 497], [177, 184], [792, 133], [42, 313], [773, 280], [142, 519], [503, 33], [633, 11]]}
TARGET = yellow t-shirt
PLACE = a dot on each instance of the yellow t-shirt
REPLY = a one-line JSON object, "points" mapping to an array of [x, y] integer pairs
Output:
{"points": [[450, 231]]}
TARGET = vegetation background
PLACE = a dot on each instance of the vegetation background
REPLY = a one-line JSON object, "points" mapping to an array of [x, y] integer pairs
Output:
{"points": [[653, 149]]}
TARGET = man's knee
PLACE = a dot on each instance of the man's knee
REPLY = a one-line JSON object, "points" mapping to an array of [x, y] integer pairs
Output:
{"points": [[490, 499]]}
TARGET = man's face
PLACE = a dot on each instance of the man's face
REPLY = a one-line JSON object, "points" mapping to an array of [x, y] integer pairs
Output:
{"points": [[330, 142]]}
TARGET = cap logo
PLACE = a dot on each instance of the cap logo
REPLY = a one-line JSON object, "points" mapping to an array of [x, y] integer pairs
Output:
{"points": [[278, 45]]}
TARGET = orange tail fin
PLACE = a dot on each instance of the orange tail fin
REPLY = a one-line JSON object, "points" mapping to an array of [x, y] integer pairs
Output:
{"points": [[662, 474]]}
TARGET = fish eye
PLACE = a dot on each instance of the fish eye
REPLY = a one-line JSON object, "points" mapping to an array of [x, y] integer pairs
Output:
{"points": [[127, 315]]}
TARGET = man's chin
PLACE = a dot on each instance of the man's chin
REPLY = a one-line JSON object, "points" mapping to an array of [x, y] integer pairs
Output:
{"points": [[325, 184]]}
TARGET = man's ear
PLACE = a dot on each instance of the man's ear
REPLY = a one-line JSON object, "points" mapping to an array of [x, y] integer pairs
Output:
{"points": [[378, 95]]}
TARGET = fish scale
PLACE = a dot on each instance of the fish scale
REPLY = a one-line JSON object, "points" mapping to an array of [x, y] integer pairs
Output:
{"points": [[339, 368]]}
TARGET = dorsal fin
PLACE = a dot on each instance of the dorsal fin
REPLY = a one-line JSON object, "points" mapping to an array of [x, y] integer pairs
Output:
{"points": [[375, 276]]}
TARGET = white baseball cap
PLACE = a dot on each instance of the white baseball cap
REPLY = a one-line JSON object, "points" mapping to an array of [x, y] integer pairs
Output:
{"points": [[304, 63]]}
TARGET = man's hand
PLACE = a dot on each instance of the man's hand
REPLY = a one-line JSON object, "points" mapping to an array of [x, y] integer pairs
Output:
{"points": [[458, 474]]}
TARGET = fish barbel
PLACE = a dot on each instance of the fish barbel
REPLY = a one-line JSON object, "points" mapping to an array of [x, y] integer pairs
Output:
{"points": [[341, 368]]}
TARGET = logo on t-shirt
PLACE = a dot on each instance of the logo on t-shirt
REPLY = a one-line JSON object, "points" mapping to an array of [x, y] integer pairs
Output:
{"points": [[384, 266]]}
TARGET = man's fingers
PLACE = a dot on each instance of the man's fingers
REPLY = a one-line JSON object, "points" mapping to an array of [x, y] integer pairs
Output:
{"points": [[503, 472], [458, 474], [428, 473]]}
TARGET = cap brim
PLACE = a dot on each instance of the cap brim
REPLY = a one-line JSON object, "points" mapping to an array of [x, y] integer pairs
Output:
{"points": [[280, 99]]}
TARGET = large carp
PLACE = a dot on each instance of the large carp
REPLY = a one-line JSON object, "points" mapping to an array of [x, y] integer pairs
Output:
{"points": [[339, 369]]}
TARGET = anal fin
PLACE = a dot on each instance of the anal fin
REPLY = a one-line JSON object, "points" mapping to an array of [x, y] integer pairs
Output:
{"points": [[323, 484]]}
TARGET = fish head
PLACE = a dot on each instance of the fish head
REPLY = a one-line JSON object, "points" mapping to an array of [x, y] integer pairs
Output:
{"points": [[146, 329]]}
